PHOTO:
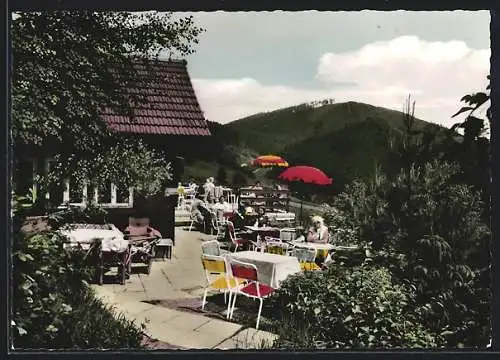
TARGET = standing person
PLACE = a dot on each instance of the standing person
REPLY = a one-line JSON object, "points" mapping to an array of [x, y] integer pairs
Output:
{"points": [[180, 189], [205, 188], [209, 189]]}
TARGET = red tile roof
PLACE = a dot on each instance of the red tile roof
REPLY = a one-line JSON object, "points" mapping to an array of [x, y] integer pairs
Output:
{"points": [[170, 106]]}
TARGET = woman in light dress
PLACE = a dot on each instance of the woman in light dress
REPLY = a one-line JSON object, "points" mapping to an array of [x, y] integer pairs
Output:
{"points": [[317, 233]]}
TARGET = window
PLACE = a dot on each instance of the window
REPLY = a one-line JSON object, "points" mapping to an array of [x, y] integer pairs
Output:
{"points": [[55, 195], [122, 194], [105, 196], [81, 194], [23, 176], [74, 192]]}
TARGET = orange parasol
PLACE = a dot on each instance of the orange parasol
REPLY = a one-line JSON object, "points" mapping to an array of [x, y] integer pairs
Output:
{"points": [[270, 160]]}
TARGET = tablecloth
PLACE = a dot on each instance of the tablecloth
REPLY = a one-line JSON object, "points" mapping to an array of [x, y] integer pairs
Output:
{"points": [[277, 216], [272, 269], [314, 246], [262, 229], [112, 240]]}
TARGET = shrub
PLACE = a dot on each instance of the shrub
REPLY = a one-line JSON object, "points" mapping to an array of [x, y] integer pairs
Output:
{"points": [[426, 228], [343, 231], [358, 307], [91, 214]]}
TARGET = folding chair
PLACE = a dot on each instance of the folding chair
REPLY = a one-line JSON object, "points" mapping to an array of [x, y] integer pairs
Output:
{"points": [[211, 247], [232, 235], [218, 278], [277, 247], [288, 234], [253, 289], [192, 217], [321, 254], [180, 200], [306, 259], [260, 245]]}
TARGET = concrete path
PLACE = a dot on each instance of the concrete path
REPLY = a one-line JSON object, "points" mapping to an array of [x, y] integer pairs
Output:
{"points": [[182, 277]]}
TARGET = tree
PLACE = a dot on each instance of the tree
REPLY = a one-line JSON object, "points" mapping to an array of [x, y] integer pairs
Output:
{"points": [[473, 153], [67, 65], [239, 180], [221, 176]]}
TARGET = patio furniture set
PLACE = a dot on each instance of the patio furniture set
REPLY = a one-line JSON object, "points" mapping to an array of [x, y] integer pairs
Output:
{"points": [[108, 247], [257, 272]]}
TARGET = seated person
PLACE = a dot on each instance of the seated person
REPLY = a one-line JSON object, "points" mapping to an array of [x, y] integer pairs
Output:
{"points": [[223, 204], [262, 219], [257, 186], [201, 213], [317, 233], [221, 207]]}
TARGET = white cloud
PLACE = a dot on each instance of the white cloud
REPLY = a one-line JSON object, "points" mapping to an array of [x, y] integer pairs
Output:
{"points": [[437, 74]]}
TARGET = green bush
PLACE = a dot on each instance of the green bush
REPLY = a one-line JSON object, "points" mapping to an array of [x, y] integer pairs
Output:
{"points": [[343, 231], [53, 307], [426, 228], [343, 307], [90, 214]]}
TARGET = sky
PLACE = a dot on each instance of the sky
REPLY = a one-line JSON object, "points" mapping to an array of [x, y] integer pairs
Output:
{"points": [[251, 62]]}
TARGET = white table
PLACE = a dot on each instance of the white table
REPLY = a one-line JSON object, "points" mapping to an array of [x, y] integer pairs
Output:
{"points": [[262, 229], [313, 246], [272, 269], [278, 216], [112, 239]]}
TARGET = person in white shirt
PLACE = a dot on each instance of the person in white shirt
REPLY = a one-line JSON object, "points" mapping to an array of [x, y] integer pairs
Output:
{"points": [[318, 232], [221, 207], [257, 186], [209, 189]]}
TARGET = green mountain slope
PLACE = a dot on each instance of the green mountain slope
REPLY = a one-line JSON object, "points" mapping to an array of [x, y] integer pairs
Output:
{"points": [[346, 140], [349, 153], [272, 132]]}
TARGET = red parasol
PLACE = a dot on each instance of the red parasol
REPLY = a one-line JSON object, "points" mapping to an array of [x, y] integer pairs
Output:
{"points": [[270, 160], [306, 174]]}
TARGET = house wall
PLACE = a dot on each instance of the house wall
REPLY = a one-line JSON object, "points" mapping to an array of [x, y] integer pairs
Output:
{"points": [[161, 210]]}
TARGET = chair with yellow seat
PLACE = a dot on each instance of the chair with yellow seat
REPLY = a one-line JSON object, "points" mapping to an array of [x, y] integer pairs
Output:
{"points": [[277, 247], [218, 279], [321, 254], [306, 259]]}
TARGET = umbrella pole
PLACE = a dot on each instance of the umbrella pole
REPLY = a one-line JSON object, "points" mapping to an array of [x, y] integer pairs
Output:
{"points": [[301, 210]]}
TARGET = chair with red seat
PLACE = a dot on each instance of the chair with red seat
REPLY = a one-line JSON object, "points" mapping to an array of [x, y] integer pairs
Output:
{"points": [[253, 289], [237, 241], [140, 227]]}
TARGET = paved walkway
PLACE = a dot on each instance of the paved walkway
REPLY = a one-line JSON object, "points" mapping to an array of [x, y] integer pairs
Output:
{"points": [[182, 277]]}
